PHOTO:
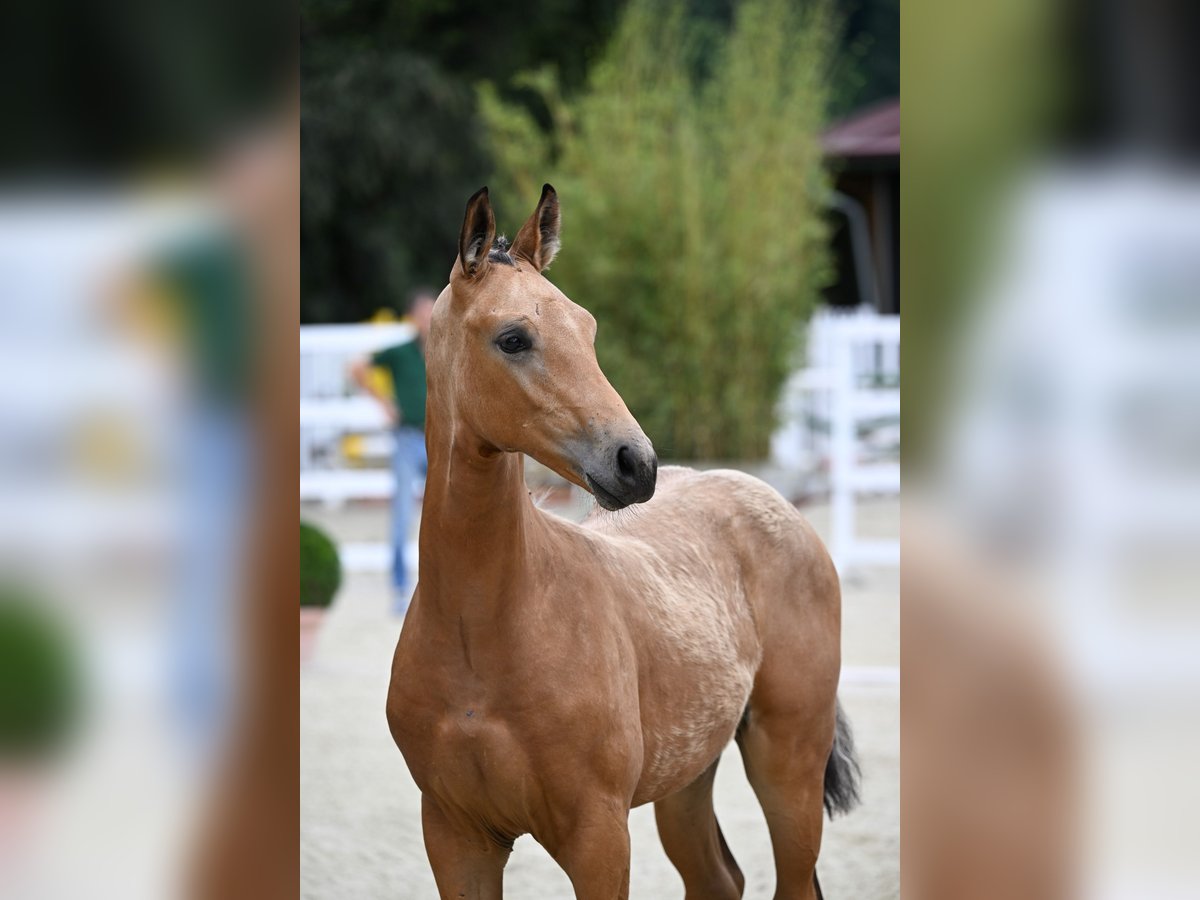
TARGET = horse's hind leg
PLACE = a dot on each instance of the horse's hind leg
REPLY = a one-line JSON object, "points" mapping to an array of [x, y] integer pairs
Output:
{"points": [[785, 752], [693, 842]]}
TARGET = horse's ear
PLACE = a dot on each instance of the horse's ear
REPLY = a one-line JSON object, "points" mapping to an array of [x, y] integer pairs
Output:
{"points": [[478, 232], [537, 241]]}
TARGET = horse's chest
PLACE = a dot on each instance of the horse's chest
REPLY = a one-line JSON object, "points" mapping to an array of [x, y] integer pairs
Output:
{"points": [[469, 758], [444, 732], [474, 749]]}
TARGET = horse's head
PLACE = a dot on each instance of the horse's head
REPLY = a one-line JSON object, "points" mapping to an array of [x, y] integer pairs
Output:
{"points": [[512, 360]]}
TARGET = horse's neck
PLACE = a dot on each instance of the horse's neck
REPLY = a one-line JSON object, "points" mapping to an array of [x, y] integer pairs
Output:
{"points": [[477, 523]]}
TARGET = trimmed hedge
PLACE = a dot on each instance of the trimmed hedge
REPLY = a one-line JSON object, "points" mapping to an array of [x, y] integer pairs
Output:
{"points": [[40, 683], [320, 567]]}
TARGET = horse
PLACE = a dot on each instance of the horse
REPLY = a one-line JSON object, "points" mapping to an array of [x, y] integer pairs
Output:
{"points": [[552, 675]]}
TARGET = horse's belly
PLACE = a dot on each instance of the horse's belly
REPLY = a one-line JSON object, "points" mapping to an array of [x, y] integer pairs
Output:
{"points": [[683, 736], [699, 652]]}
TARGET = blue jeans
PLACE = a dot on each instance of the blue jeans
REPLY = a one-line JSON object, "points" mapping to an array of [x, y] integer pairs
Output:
{"points": [[408, 463], [216, 470]]}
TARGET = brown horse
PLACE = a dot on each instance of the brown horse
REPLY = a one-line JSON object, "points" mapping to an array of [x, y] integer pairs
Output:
{"points": [[550, 676]]}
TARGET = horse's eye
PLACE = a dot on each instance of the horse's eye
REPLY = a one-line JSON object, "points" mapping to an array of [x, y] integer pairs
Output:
{"points": [[513, 343]]}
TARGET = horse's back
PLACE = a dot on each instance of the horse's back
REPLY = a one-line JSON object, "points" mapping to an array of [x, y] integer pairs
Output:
{"points": [[730, 504], [743, 535]]}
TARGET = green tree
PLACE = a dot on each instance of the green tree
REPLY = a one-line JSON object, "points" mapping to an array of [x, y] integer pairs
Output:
{"points": [[392, 142], [867, 67], [692, 210], [387, 140]]}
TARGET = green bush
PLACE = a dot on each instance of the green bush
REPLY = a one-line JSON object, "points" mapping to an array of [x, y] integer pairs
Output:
{"points": [[320, 567], [691, 178], [40, 687]]}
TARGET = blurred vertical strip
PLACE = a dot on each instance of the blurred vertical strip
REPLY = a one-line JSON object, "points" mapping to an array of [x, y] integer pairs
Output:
{"points": [[149, 300], [1050, 628]]}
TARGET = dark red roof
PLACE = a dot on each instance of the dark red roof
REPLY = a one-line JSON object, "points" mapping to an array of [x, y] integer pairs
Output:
{"points": [[874, 131]]}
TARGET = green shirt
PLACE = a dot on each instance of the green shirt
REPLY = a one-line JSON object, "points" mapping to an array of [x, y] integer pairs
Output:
{"points": [[208, 279], [405, 363]]}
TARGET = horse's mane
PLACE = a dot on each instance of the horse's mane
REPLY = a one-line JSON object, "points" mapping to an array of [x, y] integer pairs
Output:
{"points": [[499, 252]]}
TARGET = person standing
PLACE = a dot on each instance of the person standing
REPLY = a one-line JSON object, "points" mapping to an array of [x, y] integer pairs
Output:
{"points": [[405, 411]]}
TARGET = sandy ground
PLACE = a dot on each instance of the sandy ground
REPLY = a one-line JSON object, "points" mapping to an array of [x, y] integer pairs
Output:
{"points": [[360, 833]]}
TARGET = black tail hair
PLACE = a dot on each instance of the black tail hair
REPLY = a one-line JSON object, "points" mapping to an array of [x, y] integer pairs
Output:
{"points": [[842, 773]]}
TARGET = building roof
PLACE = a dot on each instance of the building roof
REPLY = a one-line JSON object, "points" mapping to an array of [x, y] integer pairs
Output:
{"points": [[874, 131]]}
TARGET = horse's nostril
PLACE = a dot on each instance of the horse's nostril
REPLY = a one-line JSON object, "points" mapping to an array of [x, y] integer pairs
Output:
{"points": [[625, 463]]}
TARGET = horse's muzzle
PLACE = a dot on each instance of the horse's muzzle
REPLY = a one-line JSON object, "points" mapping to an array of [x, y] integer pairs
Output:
{"points": [[626, 474]]}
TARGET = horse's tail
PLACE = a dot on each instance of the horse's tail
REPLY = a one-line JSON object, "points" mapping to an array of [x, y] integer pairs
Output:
{"points": [[842, 773]]}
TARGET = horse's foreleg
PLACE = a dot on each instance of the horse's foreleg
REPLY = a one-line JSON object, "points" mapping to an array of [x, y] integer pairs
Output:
{"points": [[594, 852], [465, 865]]}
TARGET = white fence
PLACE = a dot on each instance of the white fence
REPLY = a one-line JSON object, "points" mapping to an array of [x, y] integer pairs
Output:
{"points": [[840, 421], [865, 402], [332, 408], [840, 414]]}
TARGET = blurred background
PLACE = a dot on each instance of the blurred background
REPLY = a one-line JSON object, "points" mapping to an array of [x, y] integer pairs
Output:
{"points": [[1050, 579], [149, 189], [729, 176]]}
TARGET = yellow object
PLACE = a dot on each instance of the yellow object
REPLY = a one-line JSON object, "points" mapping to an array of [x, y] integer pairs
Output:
{"points": [[154, 311], [105, 448], [352, 447], [381, 381]]}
